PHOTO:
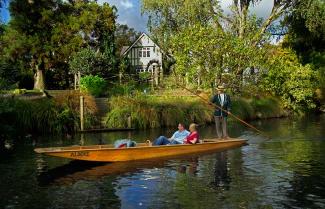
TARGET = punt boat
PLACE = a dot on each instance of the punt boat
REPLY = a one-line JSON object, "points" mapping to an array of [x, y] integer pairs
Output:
{"points": [[142, 151]]}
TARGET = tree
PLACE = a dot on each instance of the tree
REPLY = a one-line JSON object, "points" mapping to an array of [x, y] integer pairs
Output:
{"points": [[306, 34], [45, 34], [124, 36], [238, 37], [288, 79]]}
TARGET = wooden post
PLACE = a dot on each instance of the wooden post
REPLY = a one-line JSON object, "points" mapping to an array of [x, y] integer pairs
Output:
{"points": [[120, 77], [82, 139], [152, 81], [81, 113], [129, 121], [75, 81], [79, 77], [161, 74]]}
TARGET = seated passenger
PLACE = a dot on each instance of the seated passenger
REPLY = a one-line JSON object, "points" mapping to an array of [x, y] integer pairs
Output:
{"points": [[177, 138], [193, 138]]}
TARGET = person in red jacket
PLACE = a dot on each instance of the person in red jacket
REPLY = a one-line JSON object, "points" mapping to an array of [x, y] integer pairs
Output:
{"points": [[193, 137]]}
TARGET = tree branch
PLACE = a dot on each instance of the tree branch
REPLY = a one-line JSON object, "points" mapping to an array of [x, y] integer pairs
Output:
{"points": [[279, 7]]}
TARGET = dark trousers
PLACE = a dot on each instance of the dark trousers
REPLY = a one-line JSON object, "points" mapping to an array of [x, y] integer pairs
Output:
{"points": [[162, 140], [221, 126]]}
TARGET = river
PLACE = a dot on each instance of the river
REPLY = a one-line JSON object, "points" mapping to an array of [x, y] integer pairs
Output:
{"points": [[286, 170]]}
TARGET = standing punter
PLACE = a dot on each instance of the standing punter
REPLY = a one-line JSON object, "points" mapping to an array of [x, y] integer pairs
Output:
{"points": [[222, 100]]}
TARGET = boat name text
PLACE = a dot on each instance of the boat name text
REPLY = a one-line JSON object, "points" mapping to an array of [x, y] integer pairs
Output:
{"points": [[79, 154]]}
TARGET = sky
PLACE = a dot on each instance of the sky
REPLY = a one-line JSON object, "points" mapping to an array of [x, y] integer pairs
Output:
{"points": [[129, 12]]}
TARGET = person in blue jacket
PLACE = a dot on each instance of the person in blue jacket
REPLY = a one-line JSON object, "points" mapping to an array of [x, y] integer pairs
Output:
{"points": [[221, 99]]}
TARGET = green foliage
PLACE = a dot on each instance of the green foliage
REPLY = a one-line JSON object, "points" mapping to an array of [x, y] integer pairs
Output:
{"points": [[294, 83], [56, 116], [145, 76], [122, 89], [45, 34], [306, 35], [95, 85], [242, 108], [267, 107], [83, 61], [88, 61], [124, 36], [207, 44], [153, 112]]}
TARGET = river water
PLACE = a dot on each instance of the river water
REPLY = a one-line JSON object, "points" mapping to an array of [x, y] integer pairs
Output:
{"points": [[286, 170]]}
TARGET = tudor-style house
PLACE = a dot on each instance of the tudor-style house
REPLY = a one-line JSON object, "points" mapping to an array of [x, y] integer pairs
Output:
{"points": [[144, 56]]}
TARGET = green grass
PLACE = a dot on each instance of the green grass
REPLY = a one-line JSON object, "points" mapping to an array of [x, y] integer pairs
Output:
{"points": [[162, 111], [154, 112], [40, 116]]}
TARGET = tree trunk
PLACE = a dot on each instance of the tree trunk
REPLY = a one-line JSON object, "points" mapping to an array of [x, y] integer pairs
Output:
{"points": [[39, 82]]}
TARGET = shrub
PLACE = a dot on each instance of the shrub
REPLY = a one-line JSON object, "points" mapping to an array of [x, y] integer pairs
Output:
{"points": [[94, 85], [242, 108]]}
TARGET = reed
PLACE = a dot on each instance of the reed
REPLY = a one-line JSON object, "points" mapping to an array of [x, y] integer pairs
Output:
{"points": [[154, 112], [58, 115], [162, 111]]}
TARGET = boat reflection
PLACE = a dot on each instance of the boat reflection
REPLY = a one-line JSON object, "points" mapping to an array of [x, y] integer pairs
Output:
{"points": [[83, 170]]}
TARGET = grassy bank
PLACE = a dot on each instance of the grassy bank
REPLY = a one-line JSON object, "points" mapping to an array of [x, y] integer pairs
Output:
{"points": [[45, 115], [162, 111]]}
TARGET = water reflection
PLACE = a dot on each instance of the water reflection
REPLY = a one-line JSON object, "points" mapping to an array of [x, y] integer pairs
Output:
{"points": [[221, 175], [190, 168], [82, 170], [284, 172]]}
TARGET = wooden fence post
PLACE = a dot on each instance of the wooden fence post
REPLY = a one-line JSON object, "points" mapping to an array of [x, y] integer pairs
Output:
{"points": [[129, 121], [81, 113]]}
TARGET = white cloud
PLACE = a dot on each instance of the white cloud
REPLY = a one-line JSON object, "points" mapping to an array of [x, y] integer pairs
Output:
{"points": [[129, 13], [126, 4]]}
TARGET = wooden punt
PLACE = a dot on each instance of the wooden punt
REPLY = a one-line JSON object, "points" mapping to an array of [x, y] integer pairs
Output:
{"points": [[107, 153]]}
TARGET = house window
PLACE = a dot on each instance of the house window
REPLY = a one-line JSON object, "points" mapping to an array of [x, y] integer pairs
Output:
{"points": [[144, 52]]}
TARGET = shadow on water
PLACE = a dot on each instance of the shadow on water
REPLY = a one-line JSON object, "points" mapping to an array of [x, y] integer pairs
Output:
{"points": [[47, 176], [83, 170]]}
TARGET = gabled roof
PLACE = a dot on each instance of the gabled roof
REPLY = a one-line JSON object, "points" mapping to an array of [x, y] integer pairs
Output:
{"points": [[124, 48], [136, 41]]}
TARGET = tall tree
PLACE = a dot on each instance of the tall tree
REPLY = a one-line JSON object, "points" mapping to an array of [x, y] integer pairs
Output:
{"points": [[306, 34], [240, 33], [46, 33]]}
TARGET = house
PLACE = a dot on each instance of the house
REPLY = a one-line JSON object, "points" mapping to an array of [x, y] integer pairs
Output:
{"points": [[144, 56]]}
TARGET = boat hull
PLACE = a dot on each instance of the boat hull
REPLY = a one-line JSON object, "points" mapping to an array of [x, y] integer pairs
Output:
{"points": [[103, 153]]}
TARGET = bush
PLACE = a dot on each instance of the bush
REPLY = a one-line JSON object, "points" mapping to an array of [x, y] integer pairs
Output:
{"points": [[242, 108], [94, 85], [289, 80]]}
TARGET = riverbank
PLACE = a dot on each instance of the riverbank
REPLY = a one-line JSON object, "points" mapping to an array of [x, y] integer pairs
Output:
{"points": [[44, 115], [163, 111]]}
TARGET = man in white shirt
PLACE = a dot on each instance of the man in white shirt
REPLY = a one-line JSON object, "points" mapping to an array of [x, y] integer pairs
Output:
{"points": [[177, 137]]}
